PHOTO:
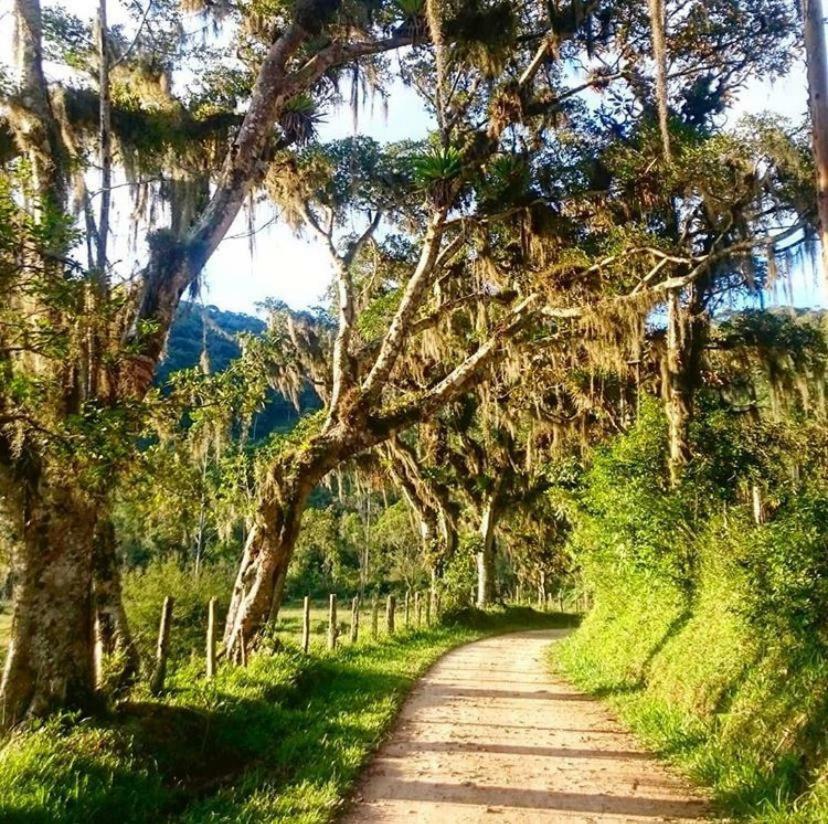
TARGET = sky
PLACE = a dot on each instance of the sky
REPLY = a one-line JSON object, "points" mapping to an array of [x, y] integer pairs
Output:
{"points": [[296, 269]]}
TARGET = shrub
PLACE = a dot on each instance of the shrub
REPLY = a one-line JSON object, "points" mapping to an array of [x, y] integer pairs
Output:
{"points": [[144, 593]]}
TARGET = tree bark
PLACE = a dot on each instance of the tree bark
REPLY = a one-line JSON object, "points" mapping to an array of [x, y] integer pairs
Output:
{"points": [[659, 44], [39, 135], [50, 659], [112, 624], [486, 556], [687, 332], [817, 66], [676, 396], [269, 547]]}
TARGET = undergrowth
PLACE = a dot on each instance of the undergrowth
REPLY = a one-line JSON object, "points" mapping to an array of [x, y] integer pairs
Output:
{"points": [[709, 630]]}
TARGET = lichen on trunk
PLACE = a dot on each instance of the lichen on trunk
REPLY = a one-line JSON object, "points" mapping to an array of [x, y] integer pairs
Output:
{"points": [[486, 584], [49, 663]]}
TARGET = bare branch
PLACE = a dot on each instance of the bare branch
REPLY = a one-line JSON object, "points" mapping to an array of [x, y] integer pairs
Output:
{"points": [[353, 249], [531, 70]]}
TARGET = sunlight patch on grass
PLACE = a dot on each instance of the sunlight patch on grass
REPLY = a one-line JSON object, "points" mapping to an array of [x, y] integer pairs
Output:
{"points": [[282, 740]]}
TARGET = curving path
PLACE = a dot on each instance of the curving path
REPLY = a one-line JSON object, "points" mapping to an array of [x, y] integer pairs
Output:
{"points": [[489, 735]]}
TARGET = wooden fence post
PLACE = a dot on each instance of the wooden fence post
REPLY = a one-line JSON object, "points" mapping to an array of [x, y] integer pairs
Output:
{"points": [[160, 673], [211, 638], [306, 624], [418, 609], [333, 630], [407, 609], [355, 619], [375, 616], [390, 606]]}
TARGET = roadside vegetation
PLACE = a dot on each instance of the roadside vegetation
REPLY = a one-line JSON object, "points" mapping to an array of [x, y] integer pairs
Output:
{"points": [[708, 631], [280, 740]]}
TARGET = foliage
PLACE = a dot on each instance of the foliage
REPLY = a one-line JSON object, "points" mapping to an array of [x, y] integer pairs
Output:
{"points": [[459, 577], [145, 589], [722, 667]]}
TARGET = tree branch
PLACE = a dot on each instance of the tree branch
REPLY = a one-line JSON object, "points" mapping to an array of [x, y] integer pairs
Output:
{"points": [[400, 326], [461, 377]]}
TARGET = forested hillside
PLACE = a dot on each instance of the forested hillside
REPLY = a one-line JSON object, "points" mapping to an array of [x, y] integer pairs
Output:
{"points": [[198, 329], [543, 392]]}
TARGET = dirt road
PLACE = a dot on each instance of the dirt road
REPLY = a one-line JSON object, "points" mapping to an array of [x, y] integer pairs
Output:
{"points": [[489, 735]]}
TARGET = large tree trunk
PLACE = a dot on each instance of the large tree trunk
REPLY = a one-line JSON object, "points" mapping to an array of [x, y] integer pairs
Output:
{"points": [[817, 63], [269, 548], [486, 556], [50, 660], [267, 553], [113, 632], [687, 331]]}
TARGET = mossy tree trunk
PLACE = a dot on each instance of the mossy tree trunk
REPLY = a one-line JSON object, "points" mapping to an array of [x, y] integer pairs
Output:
{"points": [[677, 400], [271, 541], [112, 627], [50, 659], [687, 332], [486, 583]]}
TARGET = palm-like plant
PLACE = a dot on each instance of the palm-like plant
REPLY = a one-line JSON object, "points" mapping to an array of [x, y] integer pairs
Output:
{"points": [[436, 171], [299, 119], [412, 14]]}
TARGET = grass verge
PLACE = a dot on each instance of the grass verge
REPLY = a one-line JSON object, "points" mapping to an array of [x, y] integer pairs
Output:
{"points": [[281, 740], [737, 721]]}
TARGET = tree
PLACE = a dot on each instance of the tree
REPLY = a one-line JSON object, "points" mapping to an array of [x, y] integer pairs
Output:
{"points": [[817, 66], [123, 325]]}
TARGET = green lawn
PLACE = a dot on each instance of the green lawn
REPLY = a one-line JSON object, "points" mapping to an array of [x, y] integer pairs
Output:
{"points": [[281, 740]]}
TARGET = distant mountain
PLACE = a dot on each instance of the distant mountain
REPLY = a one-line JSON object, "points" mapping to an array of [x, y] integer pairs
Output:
{"points": [[184, 351]]}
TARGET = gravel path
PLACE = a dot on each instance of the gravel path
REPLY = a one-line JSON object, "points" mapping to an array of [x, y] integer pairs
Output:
{"points": [[489, 735]]}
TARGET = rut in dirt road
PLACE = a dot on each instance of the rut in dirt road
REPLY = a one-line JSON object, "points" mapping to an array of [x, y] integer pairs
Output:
{"points": [[490, 735]]}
